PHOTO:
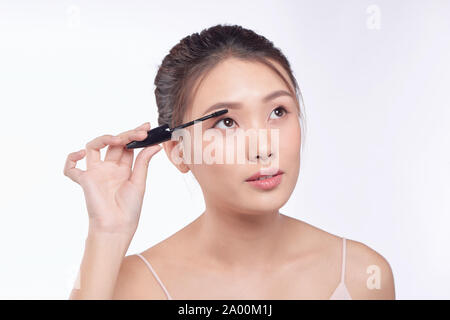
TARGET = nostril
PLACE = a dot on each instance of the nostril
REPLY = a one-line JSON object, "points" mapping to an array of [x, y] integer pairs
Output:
{"points": [[258, 156]]}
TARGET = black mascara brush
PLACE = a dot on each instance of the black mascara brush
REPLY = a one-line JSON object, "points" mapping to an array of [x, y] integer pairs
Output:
{"points": [[164, 133]]}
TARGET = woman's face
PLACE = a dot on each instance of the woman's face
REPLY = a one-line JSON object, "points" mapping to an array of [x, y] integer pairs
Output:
{"points": [[224, 184]]}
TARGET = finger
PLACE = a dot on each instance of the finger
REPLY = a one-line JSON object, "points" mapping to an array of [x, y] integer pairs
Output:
{"points": [[71, 162], [114, 153], [145, 125], [93, 148], [128, 154], [139, 174]]}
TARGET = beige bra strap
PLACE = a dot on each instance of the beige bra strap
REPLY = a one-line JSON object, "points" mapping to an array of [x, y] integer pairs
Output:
{"points": [[155, 275], [343, 259]]}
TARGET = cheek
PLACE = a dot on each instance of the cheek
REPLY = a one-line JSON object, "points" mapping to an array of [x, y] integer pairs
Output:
{"points": [[290, 139], [213, 162], [218, 180]]}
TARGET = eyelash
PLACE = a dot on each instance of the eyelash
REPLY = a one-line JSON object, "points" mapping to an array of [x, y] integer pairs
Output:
{"points": [[279, 107]]}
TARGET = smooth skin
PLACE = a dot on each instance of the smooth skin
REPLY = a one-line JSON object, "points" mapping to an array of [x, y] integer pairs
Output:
{"points": [[241, 246]]}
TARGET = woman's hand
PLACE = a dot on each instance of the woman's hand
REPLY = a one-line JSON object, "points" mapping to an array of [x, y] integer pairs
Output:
{"points": [[113, 191]]}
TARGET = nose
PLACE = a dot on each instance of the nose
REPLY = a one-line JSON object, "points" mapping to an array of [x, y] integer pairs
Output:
{"points": [[262, 156], [263, 150]]}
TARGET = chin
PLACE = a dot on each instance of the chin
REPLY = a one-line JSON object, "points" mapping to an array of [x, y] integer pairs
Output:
{"points": [[264, 203]]}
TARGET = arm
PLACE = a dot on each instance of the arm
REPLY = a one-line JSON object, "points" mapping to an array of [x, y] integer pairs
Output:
{"points": [[114, 195], [102, 259]]}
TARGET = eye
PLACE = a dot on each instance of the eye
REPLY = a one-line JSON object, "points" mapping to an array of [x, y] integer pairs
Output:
{"points": [[227, 122], [280, 111]]}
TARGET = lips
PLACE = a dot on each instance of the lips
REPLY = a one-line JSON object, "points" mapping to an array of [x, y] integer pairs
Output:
{"points": [[259, 176]]}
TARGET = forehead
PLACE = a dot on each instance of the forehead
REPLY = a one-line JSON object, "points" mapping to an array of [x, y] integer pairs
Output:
{"points": [[236, 80]]}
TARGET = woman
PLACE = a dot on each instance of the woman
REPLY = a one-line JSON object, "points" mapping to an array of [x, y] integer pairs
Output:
{"points": [[241, 246]]}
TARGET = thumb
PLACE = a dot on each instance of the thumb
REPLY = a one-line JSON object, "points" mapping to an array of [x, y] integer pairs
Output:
{"points": [[139, 174]]}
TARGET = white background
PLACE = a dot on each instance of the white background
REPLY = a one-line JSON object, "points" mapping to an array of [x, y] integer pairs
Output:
{"points": [[376, 164]]}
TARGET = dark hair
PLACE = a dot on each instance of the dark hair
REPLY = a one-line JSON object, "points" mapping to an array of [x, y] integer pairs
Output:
{"points": [[197, 54]]}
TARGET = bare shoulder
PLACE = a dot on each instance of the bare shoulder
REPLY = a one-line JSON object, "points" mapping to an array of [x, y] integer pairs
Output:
{"points": [[135, 281], [368, 274]]}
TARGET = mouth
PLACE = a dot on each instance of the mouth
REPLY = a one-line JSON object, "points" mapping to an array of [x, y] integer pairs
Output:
{"points": [[260, 177], [265, 182]]}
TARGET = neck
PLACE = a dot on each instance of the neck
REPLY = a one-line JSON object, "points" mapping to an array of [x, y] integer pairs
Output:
{"points": [[239, 240]]}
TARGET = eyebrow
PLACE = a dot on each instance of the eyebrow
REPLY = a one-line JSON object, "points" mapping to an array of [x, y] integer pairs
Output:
{"points": [[238, 105]]}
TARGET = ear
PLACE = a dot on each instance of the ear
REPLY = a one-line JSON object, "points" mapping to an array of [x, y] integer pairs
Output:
{"points": [[175, 148]]}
